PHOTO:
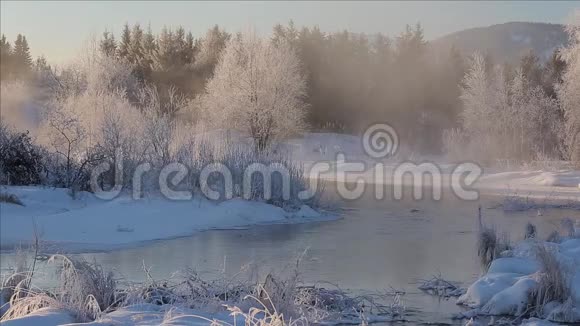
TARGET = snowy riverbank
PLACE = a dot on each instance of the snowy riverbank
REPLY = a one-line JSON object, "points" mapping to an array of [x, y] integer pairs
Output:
{"points": [[88, 223], [561, 182], [534, 278]]}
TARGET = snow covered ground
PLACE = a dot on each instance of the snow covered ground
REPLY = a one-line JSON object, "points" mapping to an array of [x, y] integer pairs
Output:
{"points": [[136, 315], [88, 223]]}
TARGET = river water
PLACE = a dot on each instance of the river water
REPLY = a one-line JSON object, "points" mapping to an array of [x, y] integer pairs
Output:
{"points": [[375, 245]]}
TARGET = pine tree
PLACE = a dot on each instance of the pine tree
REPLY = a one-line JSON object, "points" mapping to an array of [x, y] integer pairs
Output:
{"points": [[531, 68], [136, 48], [149, 46], [108, 46], [211, 47], [124, 49], [5, 58], [41, 65], [21, 55], [189, 49], [180, 46], [166, 51]]}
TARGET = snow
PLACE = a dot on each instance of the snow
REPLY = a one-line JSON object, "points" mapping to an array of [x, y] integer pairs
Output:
{"points": [[563, 178], [136, 315], [506, 288], [88, 223], [42, 317], [513, 300], [537, 322], [522, 266], [483, 290], [150, 315]]}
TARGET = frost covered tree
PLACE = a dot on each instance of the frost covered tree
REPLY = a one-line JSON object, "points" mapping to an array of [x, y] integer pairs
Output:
{"points": [[506, 116], [102, 73], [569, 90], [210, 48], [257, 88], [67, 136]]}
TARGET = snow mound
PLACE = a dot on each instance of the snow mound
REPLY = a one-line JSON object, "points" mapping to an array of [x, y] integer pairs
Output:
{"points": [[42, 317]]}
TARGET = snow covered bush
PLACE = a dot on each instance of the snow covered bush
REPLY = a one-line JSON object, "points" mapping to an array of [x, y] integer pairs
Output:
{"points": [[20, 159], [258, 89]]}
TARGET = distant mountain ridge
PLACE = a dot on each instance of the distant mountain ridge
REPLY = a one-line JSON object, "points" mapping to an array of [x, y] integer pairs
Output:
{"points": [[506, 42]]}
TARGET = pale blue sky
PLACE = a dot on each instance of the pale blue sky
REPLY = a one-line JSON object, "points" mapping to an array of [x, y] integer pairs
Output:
{"points": [[58, 29]]}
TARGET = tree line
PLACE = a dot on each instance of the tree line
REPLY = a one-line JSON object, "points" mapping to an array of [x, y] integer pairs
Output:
{"points": [[436, 100]]}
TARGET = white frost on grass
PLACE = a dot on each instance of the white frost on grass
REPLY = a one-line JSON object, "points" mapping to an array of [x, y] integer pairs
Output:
{"points": [[88, 223]]}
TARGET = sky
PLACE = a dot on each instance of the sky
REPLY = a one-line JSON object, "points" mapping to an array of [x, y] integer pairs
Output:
{"points": [[58, 29]]}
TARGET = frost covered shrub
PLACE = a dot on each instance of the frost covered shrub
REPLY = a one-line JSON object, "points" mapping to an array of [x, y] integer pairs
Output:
{"points": [[240, 158], [85, 291], [20, 159]]}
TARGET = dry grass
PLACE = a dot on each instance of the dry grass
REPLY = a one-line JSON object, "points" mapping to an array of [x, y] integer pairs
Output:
{"points": [[568, 226], [553, 283], [440, 287], [490, 245], [554, 237], [85, 291], [531, 231]]}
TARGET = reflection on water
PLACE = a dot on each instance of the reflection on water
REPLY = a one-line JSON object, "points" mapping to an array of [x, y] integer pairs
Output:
{"points": [[377, 245]]}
